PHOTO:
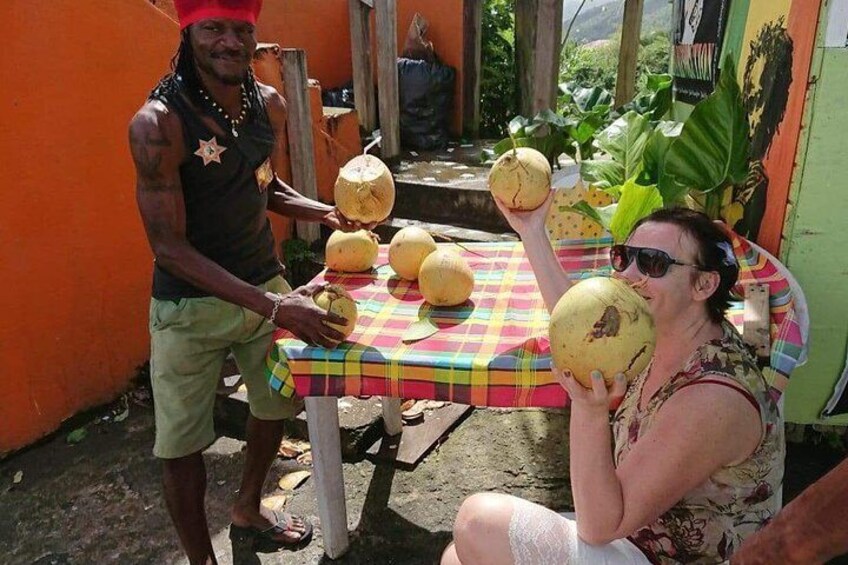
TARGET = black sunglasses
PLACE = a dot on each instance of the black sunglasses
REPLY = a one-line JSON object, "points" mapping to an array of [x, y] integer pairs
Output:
{"points": [[649, 261]]}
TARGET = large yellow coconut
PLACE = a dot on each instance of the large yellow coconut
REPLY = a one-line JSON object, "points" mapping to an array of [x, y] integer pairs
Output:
{"points": [[521, 178], [602, 323], [351, 252], [408, 249], [445, 279], [334, 298], [365, 190]]}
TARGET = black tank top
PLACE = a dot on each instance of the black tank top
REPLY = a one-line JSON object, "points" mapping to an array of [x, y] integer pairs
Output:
{"points": [[226, 212]]}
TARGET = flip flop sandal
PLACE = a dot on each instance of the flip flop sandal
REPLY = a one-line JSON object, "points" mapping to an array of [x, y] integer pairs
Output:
{"points": [[414, 414], [269, 536]]}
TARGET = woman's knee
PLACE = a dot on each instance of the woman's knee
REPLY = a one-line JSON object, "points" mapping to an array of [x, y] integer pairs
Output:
{"points": [[481, 515]]}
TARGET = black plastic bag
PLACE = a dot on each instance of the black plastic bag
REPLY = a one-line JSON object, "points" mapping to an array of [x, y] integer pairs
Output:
{"points": [[426, 103], [341, 97]]}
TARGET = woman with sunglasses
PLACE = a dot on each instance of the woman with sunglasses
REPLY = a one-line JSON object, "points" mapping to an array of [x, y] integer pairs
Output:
{"points": [[697, 462]]}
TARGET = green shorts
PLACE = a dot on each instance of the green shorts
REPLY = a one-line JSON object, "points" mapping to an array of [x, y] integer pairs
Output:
{"points": [[189, 341]]}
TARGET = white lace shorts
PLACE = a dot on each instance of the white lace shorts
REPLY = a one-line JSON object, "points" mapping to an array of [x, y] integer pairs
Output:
{"points": [[540, 536]]}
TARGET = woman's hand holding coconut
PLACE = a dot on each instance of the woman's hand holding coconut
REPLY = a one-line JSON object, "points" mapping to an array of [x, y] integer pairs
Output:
{"points": [[527, 223], [601, 398]]}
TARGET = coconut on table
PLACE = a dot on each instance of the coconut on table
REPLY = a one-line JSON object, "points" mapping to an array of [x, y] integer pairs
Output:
{"points": [[445, 279], [351, 252], [408, 249]]}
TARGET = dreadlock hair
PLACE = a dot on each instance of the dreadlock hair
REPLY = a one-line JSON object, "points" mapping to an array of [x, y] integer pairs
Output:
{"points": [[714, 251], [184, 76]]}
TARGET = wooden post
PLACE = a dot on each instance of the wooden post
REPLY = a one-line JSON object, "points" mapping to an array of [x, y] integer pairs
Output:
{"points": [[548, 49], [387, 77], [392, 421], [525, 45], [322, 420], [299, 126], [538, 33], [472, 22], [631, 31], [363, 80]]}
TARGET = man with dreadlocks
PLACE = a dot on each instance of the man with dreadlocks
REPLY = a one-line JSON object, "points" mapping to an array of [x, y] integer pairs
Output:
{"points": [[205, 146]]}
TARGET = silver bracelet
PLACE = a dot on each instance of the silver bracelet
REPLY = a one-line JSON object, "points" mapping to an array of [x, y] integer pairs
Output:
{"points": [[278, 299]]}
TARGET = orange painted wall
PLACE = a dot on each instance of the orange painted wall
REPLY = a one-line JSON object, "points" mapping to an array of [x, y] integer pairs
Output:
{"points": [[75, 263], [322, 29]]}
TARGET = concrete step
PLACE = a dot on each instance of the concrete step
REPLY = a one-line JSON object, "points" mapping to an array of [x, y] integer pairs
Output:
{"points": [[447, 186]]}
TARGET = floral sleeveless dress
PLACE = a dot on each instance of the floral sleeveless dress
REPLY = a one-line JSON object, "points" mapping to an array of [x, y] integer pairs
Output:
{"points": [[710, 522]]}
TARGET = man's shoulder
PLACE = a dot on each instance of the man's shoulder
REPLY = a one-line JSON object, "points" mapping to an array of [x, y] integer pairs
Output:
{"points": [[156, 126], [154, 115]]}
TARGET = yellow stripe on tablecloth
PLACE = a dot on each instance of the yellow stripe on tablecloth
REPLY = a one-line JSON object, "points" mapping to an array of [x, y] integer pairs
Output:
{"points": [[486, 350]]}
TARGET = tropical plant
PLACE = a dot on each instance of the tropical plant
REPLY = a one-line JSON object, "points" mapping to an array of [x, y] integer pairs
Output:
{"points": [[586, 110], [696, 162]]}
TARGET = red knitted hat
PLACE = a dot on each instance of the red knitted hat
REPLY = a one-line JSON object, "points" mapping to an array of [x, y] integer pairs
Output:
{"points": [[191, 11]]}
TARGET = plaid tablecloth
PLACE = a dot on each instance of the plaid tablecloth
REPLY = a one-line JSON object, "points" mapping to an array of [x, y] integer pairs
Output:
{"points": [[491, 351]]}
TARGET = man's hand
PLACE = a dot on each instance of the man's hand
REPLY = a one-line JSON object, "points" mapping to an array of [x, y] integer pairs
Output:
{"points": [[336, 220], [299, 314]]}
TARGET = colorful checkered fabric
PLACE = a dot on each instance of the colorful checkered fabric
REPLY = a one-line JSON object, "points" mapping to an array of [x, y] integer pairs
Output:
{"points": [[787, 343], [491, 351]]}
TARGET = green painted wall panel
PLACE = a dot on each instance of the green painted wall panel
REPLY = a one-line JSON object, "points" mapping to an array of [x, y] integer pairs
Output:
{"points": [[737, 17], [817, 252]]}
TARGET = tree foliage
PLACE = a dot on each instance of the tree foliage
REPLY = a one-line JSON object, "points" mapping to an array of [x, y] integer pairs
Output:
{"points": [[498, 80], [596, 64]]}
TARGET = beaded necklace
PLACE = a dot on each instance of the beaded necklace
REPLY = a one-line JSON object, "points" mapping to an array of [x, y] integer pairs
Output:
{"points": [[234, 122]]}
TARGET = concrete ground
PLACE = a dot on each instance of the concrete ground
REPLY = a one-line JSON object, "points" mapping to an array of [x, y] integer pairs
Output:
{"points": [[99, 500]]}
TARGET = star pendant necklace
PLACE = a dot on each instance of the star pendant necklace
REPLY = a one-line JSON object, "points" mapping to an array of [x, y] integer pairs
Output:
{"points": [[234, 122]]}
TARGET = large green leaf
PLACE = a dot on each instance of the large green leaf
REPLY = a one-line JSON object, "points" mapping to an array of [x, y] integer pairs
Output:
{"points": [[653, 157], [624, 141], [636, 202], [601, 173], [713, 147]]}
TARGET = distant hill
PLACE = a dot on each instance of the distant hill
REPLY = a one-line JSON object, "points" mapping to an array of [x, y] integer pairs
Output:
{"points": [[600, 19]]}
